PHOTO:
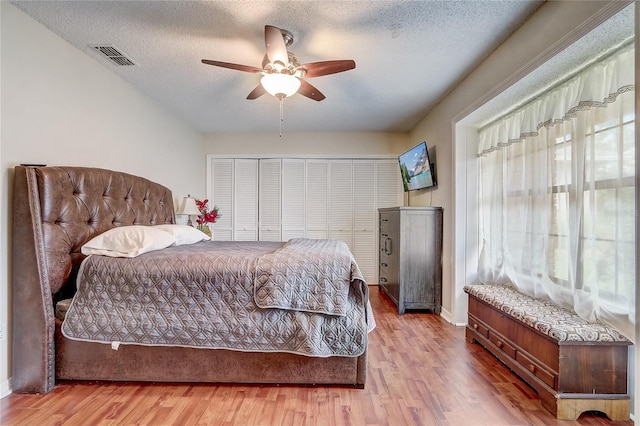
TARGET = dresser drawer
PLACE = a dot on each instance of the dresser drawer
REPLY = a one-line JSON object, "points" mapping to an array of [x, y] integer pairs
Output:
{"points": [[504, 346], [384, 221], [383, 279], [537, 369], [478, 326]]}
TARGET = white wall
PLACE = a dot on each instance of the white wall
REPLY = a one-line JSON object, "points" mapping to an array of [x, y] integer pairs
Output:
{"points": [[61, 107], [334, 144], [636, 365], [4, 290], [553, 27]]}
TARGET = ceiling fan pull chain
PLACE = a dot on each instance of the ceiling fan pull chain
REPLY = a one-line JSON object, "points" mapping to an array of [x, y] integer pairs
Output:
{"points": [[281, 116]]}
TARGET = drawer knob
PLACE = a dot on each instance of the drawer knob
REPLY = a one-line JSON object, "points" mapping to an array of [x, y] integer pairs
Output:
{"points": [[499, 344], [532, 368], [475, 326]]}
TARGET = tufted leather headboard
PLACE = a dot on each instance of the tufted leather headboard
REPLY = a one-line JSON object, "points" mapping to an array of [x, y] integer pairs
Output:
{"points": [[55, 211]]}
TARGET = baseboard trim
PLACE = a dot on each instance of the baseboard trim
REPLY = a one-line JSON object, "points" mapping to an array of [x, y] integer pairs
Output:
{"points": [[446, 315], [5, 388]]}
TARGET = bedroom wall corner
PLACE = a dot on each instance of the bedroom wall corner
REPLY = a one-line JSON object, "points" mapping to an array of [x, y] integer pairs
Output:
{"points": [[76, 112]]}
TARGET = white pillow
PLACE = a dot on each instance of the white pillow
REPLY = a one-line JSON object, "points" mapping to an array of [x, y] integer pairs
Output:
{"points": [[128, 241], [184, 234]]}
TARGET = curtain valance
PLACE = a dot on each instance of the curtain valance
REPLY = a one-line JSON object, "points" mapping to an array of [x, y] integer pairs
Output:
{"points": [[595, 86]]}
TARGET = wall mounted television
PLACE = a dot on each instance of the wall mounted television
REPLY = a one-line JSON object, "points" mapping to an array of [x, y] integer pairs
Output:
{"points": [[417, 170]]}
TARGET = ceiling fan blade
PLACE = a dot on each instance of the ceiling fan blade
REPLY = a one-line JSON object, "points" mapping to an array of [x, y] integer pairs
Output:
{"points": [[309, 91], [317, 69], [276, 48], [257, 92], [245, 68]]}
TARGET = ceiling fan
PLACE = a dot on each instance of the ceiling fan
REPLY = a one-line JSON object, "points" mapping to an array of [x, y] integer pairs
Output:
{"points": [[282, 74]]}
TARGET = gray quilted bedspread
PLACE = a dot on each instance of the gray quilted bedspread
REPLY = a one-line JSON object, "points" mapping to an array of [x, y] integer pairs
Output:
{"points": [[307, 275], [202, 295]]}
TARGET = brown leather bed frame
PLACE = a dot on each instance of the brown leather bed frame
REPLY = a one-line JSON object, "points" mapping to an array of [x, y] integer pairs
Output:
{"points": [[55, 211]]}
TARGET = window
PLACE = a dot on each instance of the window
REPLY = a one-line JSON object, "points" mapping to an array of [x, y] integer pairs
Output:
{"points": [[558, 197]]}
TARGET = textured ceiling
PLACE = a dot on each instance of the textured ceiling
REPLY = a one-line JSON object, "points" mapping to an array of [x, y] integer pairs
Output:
{"points": [[408, 54]]}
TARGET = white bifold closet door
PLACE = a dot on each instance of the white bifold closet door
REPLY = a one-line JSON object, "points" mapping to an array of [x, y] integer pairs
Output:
{"points": [[317, 199], [365, 236], [293, 198], [269, 199], [341, 201], [245, 200], [233, 188], [389, 191], [221, 195], [247, 192]]}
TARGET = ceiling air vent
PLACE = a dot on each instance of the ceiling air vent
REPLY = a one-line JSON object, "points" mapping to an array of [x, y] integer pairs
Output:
{"points": [[113, 54]]}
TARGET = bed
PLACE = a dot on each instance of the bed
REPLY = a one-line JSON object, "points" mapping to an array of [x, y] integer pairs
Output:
{"points": [[182, 322]]}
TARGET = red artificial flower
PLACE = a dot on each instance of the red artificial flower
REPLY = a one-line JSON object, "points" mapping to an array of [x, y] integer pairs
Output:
{"points": [[206, 215]]}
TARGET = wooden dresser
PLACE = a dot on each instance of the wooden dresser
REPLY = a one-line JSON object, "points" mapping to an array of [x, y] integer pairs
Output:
{"points": [[410, 266]]}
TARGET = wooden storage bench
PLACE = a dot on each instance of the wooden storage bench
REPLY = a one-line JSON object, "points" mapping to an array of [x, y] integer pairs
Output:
{"points": [[573, 364]]}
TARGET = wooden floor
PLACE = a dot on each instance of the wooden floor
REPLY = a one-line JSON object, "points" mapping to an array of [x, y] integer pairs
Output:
{"points": [[421, 372]]}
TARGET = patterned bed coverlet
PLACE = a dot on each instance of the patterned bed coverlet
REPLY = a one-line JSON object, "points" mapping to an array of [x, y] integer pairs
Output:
{"points": [[202, 295], [307, 275]]}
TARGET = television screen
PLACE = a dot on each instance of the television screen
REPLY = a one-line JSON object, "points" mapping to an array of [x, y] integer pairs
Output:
{"points": [[416, 169]]}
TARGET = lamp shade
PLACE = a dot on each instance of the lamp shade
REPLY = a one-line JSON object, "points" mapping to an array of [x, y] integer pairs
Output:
{"points": [[188, 206], [280, 85]]}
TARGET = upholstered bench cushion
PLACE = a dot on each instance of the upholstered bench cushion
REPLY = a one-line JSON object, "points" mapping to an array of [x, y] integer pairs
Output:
{"points": [[543, 315]]}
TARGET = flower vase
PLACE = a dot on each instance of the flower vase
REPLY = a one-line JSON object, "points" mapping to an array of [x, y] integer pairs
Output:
{"points": [[205, 229]]}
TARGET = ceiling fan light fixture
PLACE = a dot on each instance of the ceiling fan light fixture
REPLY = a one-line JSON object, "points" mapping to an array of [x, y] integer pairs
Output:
{"points": [[280, 85], [282, 74]]}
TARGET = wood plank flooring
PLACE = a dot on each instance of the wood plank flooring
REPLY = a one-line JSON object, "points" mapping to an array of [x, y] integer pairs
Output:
{"points": [[421, 372]]}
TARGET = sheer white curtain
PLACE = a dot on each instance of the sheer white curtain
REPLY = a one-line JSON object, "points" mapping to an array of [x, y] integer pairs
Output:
{"points": [[557, 201]]}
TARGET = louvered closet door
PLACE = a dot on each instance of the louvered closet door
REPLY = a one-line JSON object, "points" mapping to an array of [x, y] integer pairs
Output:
{"points": [[245, 218], [341, 201], [389, 184], [221, 195], [269, 200], [317, 199], [388, 194], [365, 218], [293, 198]]}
